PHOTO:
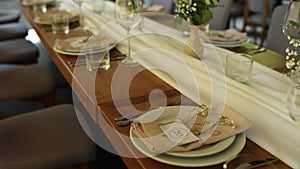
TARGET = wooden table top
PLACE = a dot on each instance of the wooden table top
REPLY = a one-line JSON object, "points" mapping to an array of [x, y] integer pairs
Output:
{"points": [[102, 107]]}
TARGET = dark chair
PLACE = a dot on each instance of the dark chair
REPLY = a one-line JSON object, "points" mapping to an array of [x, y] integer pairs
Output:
{"points": [[50, 138], [12, 31], [7, 16], [30, 82], [18, 51]]}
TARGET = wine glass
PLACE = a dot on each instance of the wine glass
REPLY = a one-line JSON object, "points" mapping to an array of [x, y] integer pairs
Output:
{"points": [[291, 29], [293, 102], [128, 16], [79, 3]]}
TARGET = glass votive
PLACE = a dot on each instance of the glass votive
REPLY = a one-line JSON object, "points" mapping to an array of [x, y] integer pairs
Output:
{"points": [[39, 8], [60, 23], [98, 6], [239, 67], [97, 56]]}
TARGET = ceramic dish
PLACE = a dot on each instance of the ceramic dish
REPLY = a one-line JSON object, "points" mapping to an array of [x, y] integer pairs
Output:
{"points": [[208, 160], [206, 150], [230, 44], [75, 51], [33, 2]]}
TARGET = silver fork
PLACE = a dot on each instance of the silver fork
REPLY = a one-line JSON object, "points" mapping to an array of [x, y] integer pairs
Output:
{"points": [[126, 120]]}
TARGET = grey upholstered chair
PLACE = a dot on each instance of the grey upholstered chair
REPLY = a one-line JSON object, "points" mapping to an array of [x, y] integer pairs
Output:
{"points": [[34, 82], [12, 31], [50, 138], [221, 15], [7, 16], [18, 51], [276, 40]]}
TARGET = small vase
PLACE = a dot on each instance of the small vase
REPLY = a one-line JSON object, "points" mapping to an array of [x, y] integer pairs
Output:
{"points": [[194, 46]]}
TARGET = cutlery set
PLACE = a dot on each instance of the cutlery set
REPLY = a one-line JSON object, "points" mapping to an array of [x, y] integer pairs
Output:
{"points": [[250, 164], [83, 62], [128, 119]]}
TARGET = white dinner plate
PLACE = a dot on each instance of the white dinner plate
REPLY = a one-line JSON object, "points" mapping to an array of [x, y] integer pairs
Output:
{"points": [[230, 44], [32, 2], [74, 53], [206, 150], [209, 160], [211, 156]]}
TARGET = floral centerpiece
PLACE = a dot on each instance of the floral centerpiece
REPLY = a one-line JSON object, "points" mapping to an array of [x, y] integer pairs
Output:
{"points": [[197, 12]]}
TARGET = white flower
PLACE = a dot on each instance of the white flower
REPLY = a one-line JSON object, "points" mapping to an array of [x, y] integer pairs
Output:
{"points": [[207, 2]]}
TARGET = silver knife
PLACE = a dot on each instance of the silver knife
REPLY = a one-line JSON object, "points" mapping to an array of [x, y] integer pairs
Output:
{"points": [[256, 163]]}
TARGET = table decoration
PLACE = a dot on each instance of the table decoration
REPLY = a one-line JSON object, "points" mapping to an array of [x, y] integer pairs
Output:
{"points": [[291, 29], [194, 45], [197, 12], [155, 134]]}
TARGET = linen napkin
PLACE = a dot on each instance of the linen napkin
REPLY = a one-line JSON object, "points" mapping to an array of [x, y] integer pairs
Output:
{"points": [[207, 129], [47, 17], [229, 35]]}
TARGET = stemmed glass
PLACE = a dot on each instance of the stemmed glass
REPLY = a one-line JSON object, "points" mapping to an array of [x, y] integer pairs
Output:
{"points": [[293, 102], [291, 29], [79, 3], [128, 16], [185, 5]]}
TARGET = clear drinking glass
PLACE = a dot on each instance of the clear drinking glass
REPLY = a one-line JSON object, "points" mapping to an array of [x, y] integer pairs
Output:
{"points": [[128, 16], [291, 29], [79, 3]]}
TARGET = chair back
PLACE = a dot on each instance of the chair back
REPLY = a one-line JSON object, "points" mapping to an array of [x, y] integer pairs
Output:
{"points": [[258, 7], [276, 40], [221, 15]]}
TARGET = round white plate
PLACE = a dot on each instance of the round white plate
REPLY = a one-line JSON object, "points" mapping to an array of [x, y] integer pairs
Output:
{"points": [[31, 2], [209, 160], [231, 44], [72, 40], [213, 156], [206, 150], [65, 52]]}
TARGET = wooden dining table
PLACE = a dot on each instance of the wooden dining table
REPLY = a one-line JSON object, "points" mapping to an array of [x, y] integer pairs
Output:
{"points": [[98, 100]]}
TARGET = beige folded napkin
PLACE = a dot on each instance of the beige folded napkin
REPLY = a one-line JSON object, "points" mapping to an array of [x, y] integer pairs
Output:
{"points": [[47, 17], [77, 44], [229, 35], [158, 141]]}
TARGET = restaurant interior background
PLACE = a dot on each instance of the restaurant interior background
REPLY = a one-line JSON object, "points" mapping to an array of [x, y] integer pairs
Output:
{"points": [[63, 93]]}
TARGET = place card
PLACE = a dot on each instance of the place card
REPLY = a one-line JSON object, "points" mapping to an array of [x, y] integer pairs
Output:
{"points": [[178, 132]]}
